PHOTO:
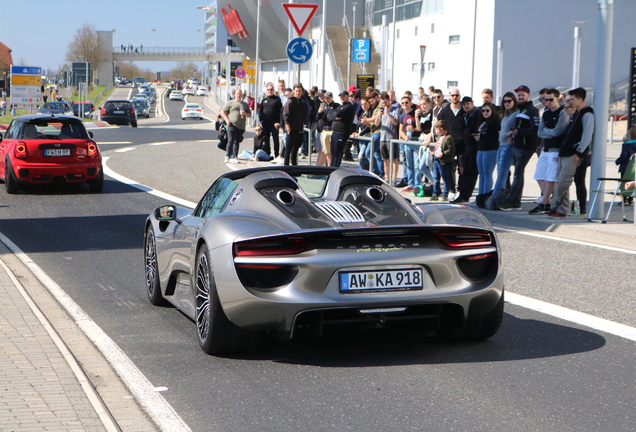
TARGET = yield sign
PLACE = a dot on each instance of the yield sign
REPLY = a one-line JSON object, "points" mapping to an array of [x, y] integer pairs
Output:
{"points": [[300, 15]]}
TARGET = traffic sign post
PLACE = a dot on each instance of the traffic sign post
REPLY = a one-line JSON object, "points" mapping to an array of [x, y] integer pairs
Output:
{"points": [[299, 50], [25, 85], [300, 15], [240, 73], [361, 50]]}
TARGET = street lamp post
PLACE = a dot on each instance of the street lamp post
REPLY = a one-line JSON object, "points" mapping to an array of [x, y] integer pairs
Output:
{"points": [[576, 61], [205, 9], [153, 36], [257, 71]]}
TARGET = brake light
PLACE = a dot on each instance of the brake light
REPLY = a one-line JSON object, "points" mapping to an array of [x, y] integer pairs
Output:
{"points": [[20, 151], [271, 246], [460, 239], [132, 111], [103, 111], [92, 149]]}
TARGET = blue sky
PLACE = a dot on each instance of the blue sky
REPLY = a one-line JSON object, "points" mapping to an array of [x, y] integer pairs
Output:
{"points": [[39, 31]]}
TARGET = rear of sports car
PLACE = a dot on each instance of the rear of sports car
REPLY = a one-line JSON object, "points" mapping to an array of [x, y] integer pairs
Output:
{"points": [[366, 259], [44, 161]]}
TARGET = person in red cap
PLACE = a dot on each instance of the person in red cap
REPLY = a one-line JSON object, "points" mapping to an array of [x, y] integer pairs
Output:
{"points": [[352, 89]]}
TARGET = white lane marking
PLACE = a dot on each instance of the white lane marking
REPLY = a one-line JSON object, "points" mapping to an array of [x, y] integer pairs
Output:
{"points": [[152, 402], [94, 398], [580, 318], [163, 143], [564, 240], [206, 141], [144, 188], [124, 150], [570, 315], [113, 142]]}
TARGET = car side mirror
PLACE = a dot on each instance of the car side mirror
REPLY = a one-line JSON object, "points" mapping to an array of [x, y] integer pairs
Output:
{"points": [[165, 213], [90, 134]]}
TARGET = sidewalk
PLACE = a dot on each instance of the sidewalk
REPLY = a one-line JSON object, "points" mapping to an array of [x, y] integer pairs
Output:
{"points": [[52, 377]]}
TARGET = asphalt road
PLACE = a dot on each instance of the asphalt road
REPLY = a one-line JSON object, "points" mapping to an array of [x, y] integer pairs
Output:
{"points": [[539, 373]]}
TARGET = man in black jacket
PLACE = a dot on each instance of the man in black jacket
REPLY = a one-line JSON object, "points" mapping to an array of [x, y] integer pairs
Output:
{"points": [[575, 147], [295, 116], [469, 160], [453, 115], [525, 141], [341, 128], [269, 115]]}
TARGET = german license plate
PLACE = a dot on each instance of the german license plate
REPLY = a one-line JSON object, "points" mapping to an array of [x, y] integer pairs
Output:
{"points": [[118, 112], [381, 281], [57, 152]]}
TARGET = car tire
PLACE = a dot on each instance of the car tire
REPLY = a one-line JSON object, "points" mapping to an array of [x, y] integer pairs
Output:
{"points": [[10, 183], [97, 185], [153, 288], [477, 328], [134, 124], [216, 333]]}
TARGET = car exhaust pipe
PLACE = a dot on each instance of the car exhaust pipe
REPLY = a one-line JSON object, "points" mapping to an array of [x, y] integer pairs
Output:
{"points": [[285, 197], [375, 194]]}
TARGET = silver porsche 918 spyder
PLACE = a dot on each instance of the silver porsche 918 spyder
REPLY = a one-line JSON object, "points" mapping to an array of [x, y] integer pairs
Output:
{"points": [[290, 250]]}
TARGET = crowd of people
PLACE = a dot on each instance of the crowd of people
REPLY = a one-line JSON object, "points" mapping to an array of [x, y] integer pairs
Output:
{"points": [[450, 145]]}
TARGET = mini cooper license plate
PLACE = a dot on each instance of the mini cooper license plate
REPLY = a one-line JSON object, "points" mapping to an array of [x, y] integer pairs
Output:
{"points": [[57, 152], [381, 281]]}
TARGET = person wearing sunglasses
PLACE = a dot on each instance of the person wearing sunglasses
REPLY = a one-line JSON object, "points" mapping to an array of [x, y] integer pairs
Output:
{"points": [[269, 114], [453, 115], [573, 155], [504, 153], [469, 161], [487, 138], [525, 144], [554, 120]]}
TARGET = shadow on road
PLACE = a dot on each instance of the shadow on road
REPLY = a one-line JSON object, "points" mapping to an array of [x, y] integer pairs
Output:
{"points": [[518, 339]]}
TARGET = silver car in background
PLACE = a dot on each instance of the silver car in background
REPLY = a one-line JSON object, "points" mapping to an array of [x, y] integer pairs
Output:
{"points": [[290, 250]]}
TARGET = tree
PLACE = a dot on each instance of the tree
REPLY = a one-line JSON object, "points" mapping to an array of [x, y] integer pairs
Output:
{"points": [[183, 70], [86, 46]]}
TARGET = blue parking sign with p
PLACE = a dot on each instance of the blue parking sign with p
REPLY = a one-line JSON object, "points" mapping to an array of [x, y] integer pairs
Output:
{"points": [[361, 51]]}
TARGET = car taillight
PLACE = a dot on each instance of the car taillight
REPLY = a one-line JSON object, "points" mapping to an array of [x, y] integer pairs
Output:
{"points": [[462, 240], [92, 149], [132, 111], [270, 246], [21, 150], [103, 111]]}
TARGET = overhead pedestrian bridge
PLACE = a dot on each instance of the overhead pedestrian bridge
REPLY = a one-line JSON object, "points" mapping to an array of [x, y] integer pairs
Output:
{"points": [[171, 54]]}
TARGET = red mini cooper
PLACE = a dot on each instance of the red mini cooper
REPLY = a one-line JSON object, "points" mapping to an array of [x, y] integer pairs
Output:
{"points": [[49, 148]]}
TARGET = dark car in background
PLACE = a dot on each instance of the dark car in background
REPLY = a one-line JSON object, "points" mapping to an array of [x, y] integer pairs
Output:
{"points": [[83, 109], [119, 112], [62, 108], [141, 108]]}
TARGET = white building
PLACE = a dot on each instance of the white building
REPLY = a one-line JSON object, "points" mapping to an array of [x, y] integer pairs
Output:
{"points": [[462, 37]]}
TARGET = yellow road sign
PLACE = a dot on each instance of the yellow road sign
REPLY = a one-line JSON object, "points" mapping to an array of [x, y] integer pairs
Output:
{"points": [[25, 80], [250, 68]]}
